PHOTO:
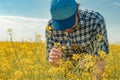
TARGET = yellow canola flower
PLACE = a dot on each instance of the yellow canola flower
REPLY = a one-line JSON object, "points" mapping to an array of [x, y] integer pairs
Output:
{"points": [[30, 54], [56, 44], [36, 73], [38, 66], [100, 37], [62, 70], [63, 47], [75, 56], [75, 46], [102, 54], [18, 74], [86, 74], [6, 67], [53, 70], [48, 28], [71, 76]]}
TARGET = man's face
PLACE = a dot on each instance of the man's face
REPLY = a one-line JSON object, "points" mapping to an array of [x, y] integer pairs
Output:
{"points": [[74, 26]]}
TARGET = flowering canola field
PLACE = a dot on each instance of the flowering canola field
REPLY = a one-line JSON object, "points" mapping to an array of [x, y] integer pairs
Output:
{"points": [[27, 61]]}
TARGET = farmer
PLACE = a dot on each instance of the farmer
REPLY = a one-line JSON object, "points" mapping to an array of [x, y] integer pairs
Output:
{"points": [[72, 26]]}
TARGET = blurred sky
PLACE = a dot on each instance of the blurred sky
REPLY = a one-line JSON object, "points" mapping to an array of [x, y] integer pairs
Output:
{"points": [[27, 17]]}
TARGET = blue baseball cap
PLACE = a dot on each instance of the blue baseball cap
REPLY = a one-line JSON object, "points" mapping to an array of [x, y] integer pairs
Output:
{"points": [[63, 13]]}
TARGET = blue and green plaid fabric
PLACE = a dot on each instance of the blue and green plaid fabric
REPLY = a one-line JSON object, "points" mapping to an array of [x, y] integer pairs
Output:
{"points": [[84, 39]]}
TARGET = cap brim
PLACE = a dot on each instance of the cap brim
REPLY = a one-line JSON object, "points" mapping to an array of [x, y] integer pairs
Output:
{"points": [[64, 24]]}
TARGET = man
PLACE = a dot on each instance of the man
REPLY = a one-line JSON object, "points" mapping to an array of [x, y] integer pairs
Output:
{"points": [[71, 26]]}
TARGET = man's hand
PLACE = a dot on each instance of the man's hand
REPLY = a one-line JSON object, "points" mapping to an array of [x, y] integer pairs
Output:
{"points": [[99, 69], [54, 56]]}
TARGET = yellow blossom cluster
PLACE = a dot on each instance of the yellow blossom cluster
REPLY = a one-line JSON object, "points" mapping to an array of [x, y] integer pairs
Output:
{"points": [[27, 61]]}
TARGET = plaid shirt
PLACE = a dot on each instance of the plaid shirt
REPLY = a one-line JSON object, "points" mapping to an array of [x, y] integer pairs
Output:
{"points": [[90, 36]]}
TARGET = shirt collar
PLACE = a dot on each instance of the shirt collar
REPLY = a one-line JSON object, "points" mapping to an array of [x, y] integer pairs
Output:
{"points": [[81, 18]]}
